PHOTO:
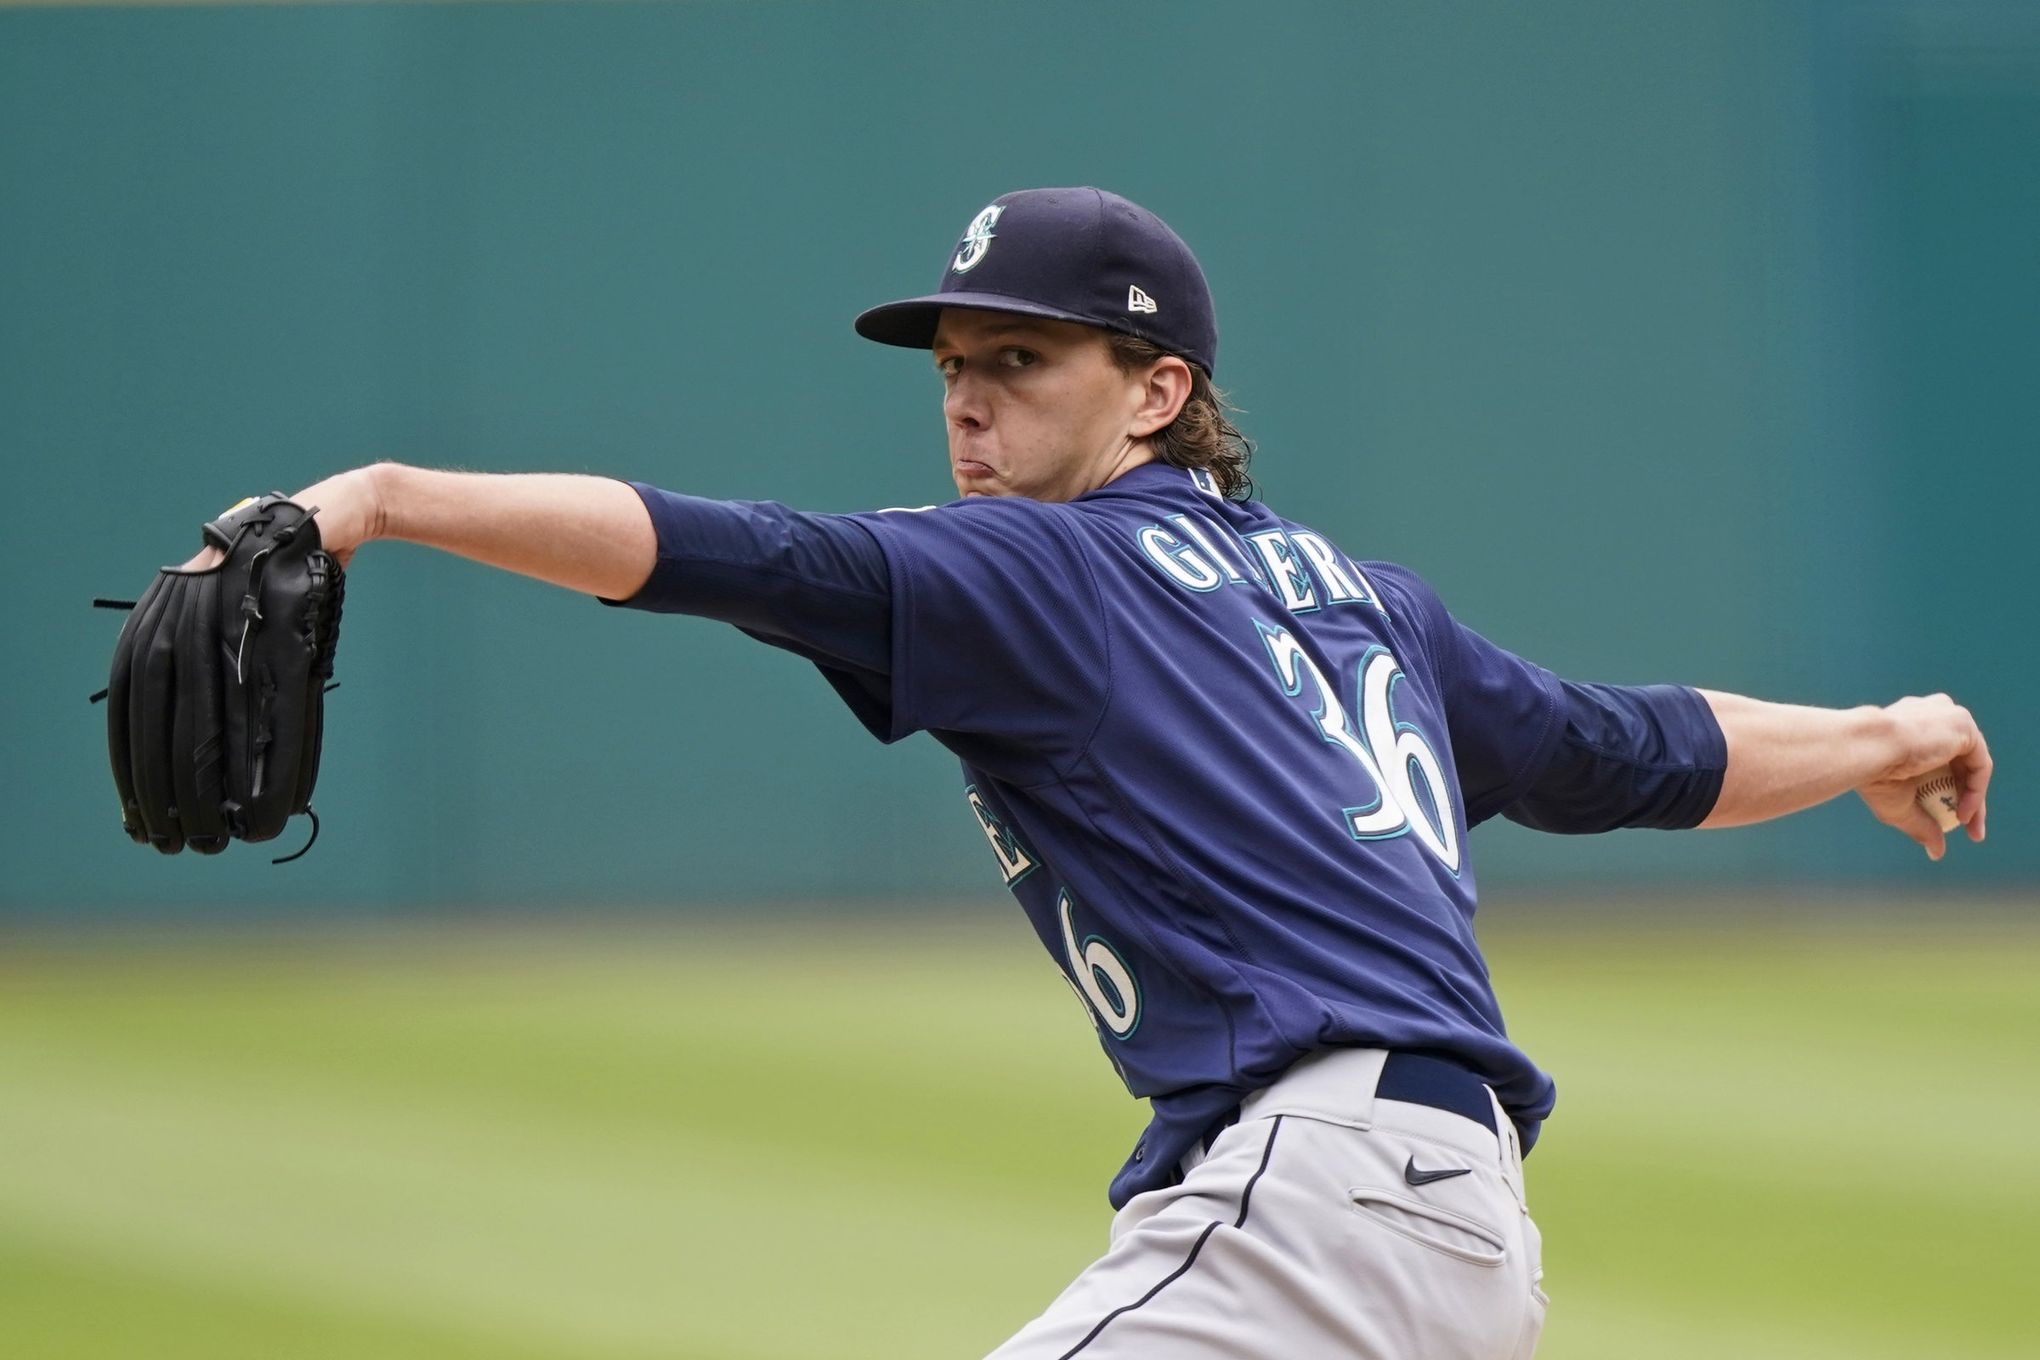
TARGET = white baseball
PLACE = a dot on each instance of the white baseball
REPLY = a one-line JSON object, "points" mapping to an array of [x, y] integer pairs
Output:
{"points": [[1938, 797]]}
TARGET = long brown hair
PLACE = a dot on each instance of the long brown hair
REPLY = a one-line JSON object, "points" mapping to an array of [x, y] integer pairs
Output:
{"points": [[1201, 436]]}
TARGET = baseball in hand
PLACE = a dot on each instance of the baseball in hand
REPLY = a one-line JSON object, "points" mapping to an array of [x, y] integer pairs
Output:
{"points": [[1937, 796]]}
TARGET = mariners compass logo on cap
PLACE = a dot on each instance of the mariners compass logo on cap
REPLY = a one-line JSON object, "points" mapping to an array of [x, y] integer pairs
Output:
{"points": [[977, 238]]}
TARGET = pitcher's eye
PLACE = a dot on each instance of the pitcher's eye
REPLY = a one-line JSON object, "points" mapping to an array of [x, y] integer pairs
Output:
{"points": [[1014, 357], [948, 366]]}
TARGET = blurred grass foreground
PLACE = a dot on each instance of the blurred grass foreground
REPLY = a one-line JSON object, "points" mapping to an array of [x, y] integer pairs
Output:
{"points": [[807, 1140]]}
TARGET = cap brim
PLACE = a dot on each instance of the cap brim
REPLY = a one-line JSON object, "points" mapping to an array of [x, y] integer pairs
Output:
{"points": [[910, 323]]}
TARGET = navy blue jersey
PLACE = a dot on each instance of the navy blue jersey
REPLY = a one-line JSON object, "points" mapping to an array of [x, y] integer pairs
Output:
{"points": [[1227, 770]]}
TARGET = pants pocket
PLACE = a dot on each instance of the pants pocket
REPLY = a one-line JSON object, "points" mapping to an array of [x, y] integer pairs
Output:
{"points": [[1454, 1235]]}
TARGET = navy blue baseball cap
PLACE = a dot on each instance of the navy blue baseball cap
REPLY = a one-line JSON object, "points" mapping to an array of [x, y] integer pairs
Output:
{"points": [[1080, 255]]}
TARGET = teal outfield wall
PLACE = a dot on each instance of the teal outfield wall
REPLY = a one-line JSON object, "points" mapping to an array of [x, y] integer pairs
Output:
{"points": [[1683, 342]]}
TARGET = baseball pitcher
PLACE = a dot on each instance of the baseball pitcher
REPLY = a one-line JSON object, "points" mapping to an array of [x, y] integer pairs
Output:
{"points": [[1228, 769]]}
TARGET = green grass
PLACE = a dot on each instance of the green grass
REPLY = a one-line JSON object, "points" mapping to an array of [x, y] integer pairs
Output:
{"points": [[806, 1142]]}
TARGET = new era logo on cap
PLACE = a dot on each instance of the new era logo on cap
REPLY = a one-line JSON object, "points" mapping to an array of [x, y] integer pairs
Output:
{"points": [[1137, 301]]}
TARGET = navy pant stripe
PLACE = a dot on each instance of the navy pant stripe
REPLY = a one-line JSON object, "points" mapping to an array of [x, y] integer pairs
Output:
{"points": [[1246, 1199]]}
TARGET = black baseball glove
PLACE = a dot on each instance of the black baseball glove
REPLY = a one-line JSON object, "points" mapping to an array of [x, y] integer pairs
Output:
{"points": [[217, 698]]}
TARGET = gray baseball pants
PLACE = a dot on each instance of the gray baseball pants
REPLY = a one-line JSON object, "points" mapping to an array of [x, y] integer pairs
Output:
{"points": [[1313, 1229]]}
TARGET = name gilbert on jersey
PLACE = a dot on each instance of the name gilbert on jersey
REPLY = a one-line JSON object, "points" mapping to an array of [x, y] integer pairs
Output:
{"points": [[1299, 567]]}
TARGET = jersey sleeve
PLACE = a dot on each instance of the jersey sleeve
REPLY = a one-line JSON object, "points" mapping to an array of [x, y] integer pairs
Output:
{"points": [[999, 640], [1646, 756], [813, 584]]}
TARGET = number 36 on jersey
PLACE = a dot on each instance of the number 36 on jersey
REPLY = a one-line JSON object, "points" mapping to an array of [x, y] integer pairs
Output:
{"points": [[1394, 762]]}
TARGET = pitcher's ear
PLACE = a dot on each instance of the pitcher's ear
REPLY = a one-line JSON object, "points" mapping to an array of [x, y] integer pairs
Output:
{"points": [[1164, 390]]}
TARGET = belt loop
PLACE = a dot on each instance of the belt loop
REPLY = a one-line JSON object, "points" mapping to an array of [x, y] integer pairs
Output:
{"points": [[1510, 1151], [1366, 1111]]}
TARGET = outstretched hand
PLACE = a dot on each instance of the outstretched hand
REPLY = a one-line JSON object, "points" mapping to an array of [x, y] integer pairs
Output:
{"points": [[350, 513], [1931, 733]]}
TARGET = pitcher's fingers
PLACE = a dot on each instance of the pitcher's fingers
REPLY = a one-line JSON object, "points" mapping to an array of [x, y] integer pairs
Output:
{"points": [[1972, 773], [1918, 824]]}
